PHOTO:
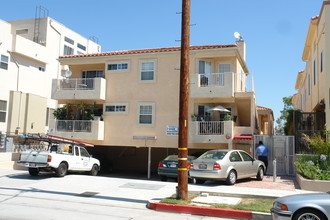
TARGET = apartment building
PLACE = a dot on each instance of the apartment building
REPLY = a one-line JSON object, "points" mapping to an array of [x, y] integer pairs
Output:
{"points": [[29, 51], [133, 96], [313, 83]]}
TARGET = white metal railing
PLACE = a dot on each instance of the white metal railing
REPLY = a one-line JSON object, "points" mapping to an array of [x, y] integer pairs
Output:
{"points": [[210, 127], [211, 79], [77, 84], [73, 125]]}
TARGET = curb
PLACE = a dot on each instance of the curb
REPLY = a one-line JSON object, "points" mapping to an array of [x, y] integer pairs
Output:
{"points": [[206, 211], [196, 210]]}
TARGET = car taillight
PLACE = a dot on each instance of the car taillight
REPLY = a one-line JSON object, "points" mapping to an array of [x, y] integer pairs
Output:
{"points": [[188, 166], [49, 158], [192, 166], [216, 166], [160, 164]]}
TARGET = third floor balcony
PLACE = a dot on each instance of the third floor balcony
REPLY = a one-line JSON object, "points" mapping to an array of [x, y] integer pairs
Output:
{"points": [[79, 89]]}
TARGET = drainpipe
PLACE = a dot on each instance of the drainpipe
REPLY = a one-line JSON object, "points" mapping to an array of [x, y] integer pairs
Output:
{"points": [[20, 96], [59, 47]]}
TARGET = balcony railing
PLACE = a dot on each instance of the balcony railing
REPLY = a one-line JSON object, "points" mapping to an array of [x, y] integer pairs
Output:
{"points": [[74, 126], [211, 79], [210, 128], [77, 84]]}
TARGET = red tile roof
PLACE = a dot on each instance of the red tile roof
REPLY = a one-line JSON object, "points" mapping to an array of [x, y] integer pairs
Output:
{"points": [[153, 50], [263, 108]]}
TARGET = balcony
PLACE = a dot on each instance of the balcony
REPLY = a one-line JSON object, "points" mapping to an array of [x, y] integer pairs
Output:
{"points": [[30, 49], [211, 131], [78, 129], [79, 89], [212, 85]]}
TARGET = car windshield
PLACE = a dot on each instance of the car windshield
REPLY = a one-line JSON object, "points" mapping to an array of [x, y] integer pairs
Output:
{"points": [[216, 155]]}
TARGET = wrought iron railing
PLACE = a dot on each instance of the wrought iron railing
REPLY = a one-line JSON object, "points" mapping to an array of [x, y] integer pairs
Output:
{"points": [[210, 128]]}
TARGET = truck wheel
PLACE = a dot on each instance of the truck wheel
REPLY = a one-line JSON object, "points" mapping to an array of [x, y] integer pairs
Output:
{"points": [[94, 170], [61, 170], [33, 171]]}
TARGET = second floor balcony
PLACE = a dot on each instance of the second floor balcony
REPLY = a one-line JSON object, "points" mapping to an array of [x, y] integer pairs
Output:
{"points": [[79, 129], [211, 85], [79, 89]]}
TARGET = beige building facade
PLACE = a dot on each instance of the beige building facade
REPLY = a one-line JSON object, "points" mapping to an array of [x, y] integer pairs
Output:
{"points": [[29, 51], [313, 83], [135, 98]]}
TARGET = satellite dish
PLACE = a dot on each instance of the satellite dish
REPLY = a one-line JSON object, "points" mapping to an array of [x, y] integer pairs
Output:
{"points": [[238, 36], [67, 73]]}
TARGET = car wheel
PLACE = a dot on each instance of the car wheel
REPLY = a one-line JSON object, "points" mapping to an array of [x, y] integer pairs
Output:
{"points": [[61, 170], [94, 170], [311, 214], [231, 179], [197, 181], [192, 180], [33, 171], [260, 174], [163, 178]]}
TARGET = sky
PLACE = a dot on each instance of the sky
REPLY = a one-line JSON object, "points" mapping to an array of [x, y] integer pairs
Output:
{"points": [[274, 31]]}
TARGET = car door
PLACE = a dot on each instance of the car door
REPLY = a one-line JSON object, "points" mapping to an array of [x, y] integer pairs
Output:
{"points": [[250, 168], [237, 162]]}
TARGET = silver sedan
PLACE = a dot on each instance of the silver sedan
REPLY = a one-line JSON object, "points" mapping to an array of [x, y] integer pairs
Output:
{"points": [[228, 165], [311, 206]]}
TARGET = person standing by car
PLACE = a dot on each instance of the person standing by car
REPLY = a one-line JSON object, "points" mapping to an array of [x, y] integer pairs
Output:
{"points": [[262, 152]]}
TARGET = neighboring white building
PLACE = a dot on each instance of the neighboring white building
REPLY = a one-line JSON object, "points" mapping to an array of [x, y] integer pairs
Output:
{"points": [[29, 51]]}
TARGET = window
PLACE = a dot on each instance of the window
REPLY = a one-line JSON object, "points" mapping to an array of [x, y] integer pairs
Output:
{"points": [[224, 68], [82, 47], [315, 71], [204, 67], [147, 70], [70, 41], [117, 66], [246, 157], [234, 157], [22, 31], [146, 111], [3, 110], [116, 108], [84, 152], [41, 69], [309, 84], [321, 62], [4, 62], [68, 50], [92, 74]]}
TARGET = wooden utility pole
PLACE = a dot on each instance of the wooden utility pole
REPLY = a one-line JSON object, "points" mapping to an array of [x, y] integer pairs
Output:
{"points": [[182, 191]]}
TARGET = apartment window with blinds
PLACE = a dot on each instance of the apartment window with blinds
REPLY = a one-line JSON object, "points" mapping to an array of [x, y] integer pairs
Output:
{"points": [[4, 62], [3, 110], [146, 113], [68, 50], [147, 70], [70, 41], [321, 62], [224, 68]]}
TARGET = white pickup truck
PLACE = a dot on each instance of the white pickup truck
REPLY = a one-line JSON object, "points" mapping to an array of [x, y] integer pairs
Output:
{"points": [[60, 157]]}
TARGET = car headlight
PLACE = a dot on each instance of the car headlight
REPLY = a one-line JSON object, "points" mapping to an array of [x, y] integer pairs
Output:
{"points": [[280, 206]]}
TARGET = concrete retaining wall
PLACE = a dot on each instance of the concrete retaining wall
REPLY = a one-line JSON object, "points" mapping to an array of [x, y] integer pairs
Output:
{"points": [[313, 185]]}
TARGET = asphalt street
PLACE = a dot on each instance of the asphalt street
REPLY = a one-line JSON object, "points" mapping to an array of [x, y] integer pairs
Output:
{"points": [[78, 196]]}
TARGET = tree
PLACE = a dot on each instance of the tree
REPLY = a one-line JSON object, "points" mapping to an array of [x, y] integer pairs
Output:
{"points": [[285, 121]]}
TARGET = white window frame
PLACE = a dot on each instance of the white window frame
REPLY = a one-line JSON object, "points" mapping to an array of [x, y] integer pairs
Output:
{"points": [[3, 110], [152, 104], [154, 61], [65, 51], [116, 106], [225, 63], [4, 62], [121, 62]]}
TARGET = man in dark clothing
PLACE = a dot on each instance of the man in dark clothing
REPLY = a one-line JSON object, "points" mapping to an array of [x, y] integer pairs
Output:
{"points": [[262, 152]]}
